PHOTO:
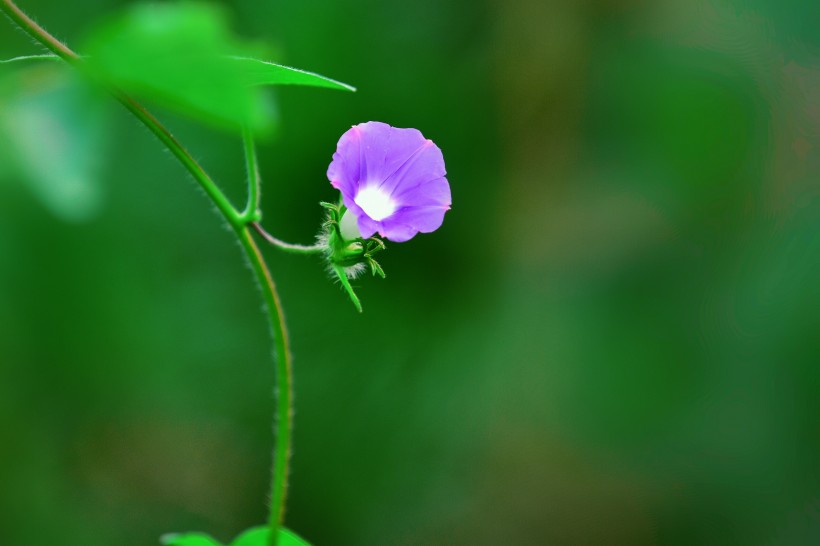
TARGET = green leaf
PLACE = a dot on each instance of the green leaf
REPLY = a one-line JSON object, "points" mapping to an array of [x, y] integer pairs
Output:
{"points": [[184, 56], [23, 58], [175, 54], [53, 129], [258, 536], [188, 539], [266, 73]]}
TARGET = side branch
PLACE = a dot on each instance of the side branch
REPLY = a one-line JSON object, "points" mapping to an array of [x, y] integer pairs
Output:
{"points": [[287, 247]]}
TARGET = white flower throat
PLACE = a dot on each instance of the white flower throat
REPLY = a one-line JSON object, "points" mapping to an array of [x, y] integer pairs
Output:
{"points": [[375, 203]]}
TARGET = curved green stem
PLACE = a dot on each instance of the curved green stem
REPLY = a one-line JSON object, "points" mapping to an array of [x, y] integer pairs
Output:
{"points": [[238, 222], [284, 382], [208, 185], [37, 32], [287, 247]]}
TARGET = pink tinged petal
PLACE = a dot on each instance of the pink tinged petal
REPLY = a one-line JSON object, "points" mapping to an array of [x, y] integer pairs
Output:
{"points": [[349, 166], [339, 174]]}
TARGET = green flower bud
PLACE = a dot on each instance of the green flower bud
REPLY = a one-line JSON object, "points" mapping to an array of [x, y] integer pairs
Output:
{"points": [[348, 255]]}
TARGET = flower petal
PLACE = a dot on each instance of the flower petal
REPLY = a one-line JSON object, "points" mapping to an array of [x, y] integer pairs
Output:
{"points": [[367, 226], [384, 149], [399, 165], [343, 171], [424, 164], [397, 232], [424, 219], [433, 193]]}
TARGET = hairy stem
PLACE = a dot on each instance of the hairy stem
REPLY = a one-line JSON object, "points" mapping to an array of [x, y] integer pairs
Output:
{"points": [[284, 375], [37, 32], [287, 247], [239, 223]]}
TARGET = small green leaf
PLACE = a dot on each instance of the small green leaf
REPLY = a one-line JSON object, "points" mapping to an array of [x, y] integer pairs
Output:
{"points": [[258, 536], [23, 58], [289, 538], [267, 73], [188, 539]]}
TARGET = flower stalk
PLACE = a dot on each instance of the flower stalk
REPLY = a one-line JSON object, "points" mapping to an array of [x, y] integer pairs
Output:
{"points": [[287, 247]]}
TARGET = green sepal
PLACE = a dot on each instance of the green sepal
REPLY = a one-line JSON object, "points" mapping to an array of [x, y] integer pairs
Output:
{"points": [[340, 272], [375, 268], [374, 245]]}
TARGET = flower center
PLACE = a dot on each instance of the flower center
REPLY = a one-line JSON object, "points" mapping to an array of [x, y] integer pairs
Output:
{"points": [[375, 203]]}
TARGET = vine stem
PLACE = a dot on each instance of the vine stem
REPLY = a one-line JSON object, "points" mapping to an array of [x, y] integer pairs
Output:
{"points": [[284, 375], [239, 222]]}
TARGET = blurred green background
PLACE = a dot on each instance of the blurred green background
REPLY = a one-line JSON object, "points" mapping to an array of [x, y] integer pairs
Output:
{"points": [[614, 338]]}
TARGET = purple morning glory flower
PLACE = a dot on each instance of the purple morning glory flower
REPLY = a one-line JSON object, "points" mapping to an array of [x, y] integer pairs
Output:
{"points": [[392, 180]]}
